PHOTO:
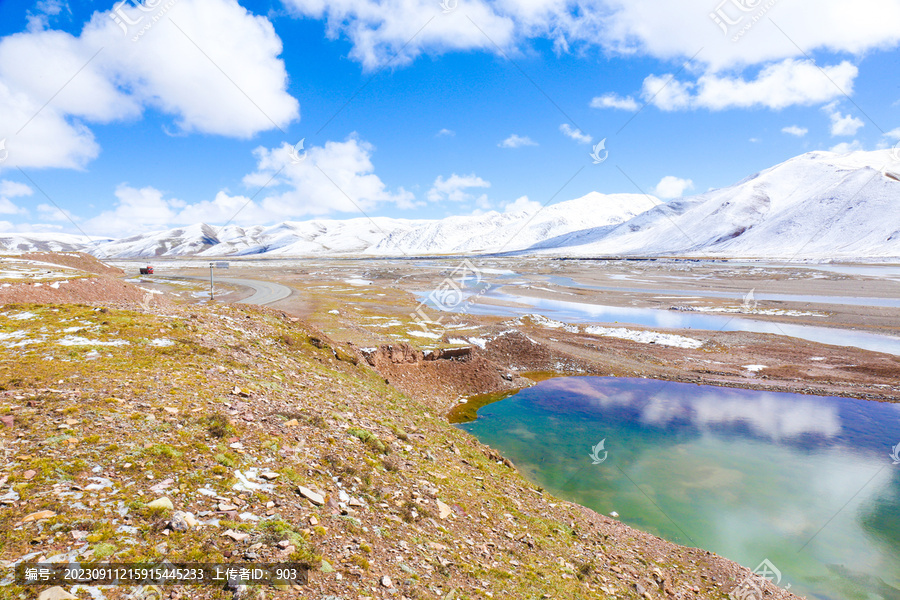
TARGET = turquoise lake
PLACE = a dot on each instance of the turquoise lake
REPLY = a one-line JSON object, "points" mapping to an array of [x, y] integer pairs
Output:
{"points": [[807, 482]]}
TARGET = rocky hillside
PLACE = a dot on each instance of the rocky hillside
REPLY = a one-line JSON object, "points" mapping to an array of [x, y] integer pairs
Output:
{"points": [[233, 434]]}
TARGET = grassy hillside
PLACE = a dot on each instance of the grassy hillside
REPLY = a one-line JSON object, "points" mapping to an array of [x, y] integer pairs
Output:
{"points": [[242, 417]]}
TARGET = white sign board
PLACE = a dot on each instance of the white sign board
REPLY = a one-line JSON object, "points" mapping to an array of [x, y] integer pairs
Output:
{"points": [[219, 265]]}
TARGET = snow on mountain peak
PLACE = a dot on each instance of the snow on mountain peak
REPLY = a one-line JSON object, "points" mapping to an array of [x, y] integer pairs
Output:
{"points": [[819, 204]]}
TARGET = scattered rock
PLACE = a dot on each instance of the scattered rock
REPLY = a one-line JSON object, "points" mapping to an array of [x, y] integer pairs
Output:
{"points": [[56, 593], [310, 495], [162, 485], [326, 567], [269, 475], [7, 420], [386, 581], [444, 511], [163, 503], [29, 474], [235, 535], [39, 516], [179, 522]]}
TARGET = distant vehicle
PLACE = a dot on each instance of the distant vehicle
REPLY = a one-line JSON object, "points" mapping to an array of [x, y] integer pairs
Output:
{"points": [[148, 270]]}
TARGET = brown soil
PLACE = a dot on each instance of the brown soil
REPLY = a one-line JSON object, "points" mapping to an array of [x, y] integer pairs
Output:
{"points": [[437, 376], [76, 260], [84, 290]]}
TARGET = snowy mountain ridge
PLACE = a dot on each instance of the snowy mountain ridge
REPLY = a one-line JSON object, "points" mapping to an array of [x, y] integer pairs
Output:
{"points": [[819, 205]]}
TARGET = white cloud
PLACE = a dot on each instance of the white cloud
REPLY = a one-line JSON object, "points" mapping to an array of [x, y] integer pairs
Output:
{"points": [[522, 204], [673, 187], [795, 130], [336, 177], [12, 189], [893, 134], [845, 147], [788, 83], [8, 207], [667, 93], [575, 134], [454, 188], [612, 100], [445, 132], [379, 29], [53, 213], [40, 17], [842, 125], [833, 25], [516, 141], [399, 30], [135, 210], [117, 79]]}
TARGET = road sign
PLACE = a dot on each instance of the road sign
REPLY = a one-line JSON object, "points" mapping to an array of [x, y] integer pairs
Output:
{"points": [[218, 265]]}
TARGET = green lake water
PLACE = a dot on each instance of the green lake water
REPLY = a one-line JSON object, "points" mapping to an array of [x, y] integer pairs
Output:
{"points": [[806, 482]]}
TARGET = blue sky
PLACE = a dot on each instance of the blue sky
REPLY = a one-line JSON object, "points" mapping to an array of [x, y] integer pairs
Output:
{"points": [[189, 110]]}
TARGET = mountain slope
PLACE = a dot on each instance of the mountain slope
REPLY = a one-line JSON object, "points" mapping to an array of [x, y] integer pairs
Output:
{"points": [[815, 205], [497, 232]]}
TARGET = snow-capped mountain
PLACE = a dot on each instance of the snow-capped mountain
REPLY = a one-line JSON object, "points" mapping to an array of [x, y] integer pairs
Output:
{"points": [[817, 205], [496, 232], [382, 236], [44, 242]]}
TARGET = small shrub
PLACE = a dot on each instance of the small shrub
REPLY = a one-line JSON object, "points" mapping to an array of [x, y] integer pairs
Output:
{"points": [[163, 451], [369, 439], [226, 460], [103, 550], [218, 425], [584, 570]]}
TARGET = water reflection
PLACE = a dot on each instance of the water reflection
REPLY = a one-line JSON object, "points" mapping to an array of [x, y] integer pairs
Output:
{"points": [[805, 481], [578, 312]]}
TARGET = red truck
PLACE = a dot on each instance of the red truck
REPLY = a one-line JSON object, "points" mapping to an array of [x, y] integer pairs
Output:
{"points": [[148, 270]]}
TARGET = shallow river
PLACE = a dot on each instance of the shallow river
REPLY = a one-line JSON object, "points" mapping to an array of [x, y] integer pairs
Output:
{"points": [[806, 482], [579, 312]]}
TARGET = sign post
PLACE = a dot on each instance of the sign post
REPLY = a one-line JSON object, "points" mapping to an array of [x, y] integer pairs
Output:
{"points": [[214, 265]]}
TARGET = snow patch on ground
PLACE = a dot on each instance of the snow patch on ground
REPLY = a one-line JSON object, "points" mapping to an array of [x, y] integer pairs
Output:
{"points": [[474, 341], [161, 342], [545, 322], [21, 316], [74, 340], [740, 310], [424, 334], [755, 368], [644, 337]]}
